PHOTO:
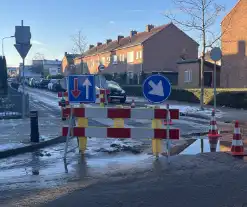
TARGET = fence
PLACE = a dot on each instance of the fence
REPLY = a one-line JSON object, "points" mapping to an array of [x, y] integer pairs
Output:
{"points": [[118, 130], [11, 104]]}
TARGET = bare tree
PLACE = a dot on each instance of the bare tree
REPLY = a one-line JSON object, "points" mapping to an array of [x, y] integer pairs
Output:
{"points": [[201, 16], [79, 47], [38, 68]]}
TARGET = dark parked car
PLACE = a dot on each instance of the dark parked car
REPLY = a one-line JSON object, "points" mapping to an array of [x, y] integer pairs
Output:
{"points": [[44, 83], [57, 87], [116, 92]]}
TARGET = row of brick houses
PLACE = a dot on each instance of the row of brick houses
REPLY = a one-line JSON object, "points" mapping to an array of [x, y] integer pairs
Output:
{"points": [[168, 50], [157, 49]]}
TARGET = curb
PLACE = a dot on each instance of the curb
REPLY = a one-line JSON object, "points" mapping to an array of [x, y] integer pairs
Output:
{"points": [[31, 147]]}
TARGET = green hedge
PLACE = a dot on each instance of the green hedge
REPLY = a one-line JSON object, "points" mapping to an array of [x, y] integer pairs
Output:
{"points": [[229, 97]]}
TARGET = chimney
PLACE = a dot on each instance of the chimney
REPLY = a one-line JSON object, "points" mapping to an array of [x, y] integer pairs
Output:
{"points": [[132, 33], [91, 46], [99, 43], [149, 27], [119, 38], [108, 41]]}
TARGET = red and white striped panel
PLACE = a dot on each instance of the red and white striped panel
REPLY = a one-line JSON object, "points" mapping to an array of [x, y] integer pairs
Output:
{"points": [[124, 113], [133, 133], [65, 94]]}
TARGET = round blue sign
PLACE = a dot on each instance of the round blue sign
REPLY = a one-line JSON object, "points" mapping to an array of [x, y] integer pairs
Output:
{"points": [[156, 88]]}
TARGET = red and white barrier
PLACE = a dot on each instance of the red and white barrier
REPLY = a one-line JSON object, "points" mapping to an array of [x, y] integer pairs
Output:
{"points": [[124, 113], [132, 133]]}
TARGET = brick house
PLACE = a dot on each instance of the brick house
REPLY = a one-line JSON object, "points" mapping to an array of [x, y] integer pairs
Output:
{"points": [[67, 63], [157, 49], [234, 37], [189, 73]]}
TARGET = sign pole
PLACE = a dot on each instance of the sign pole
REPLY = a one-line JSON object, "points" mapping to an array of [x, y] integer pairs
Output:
{"points": [[22, 37], [23, 84], [23, 89], [215, 92]]}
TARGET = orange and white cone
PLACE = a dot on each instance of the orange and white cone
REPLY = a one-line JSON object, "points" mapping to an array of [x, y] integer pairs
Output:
{"points": [[213, 131], [213, 144], [133, 105], [237, 148]]}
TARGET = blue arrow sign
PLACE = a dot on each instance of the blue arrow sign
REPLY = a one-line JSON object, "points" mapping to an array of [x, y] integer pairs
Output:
{"points": [[81, 89], [156, 88]]}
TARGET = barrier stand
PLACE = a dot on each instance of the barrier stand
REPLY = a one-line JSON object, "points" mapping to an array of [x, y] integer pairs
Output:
{"points": [[70, 132], [82, 122], [156, 143], [118, 122], [168, 144], [102, 97]]}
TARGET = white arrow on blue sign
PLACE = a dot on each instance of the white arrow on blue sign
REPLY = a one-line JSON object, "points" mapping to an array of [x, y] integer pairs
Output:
{"points": [[81, 89], [156, 88]]}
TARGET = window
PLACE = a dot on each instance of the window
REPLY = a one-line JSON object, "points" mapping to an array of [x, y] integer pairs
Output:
{"points": [[130, 57], [115, 59], [108, 59], [137, 55], [121, 57], [188, 76], [140, 54], [103, 60]]}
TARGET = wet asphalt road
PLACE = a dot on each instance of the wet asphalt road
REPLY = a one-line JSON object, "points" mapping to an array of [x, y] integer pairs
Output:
{"points": [[214, 179], [45, 169]]}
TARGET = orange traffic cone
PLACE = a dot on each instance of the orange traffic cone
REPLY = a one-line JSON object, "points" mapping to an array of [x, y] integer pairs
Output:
{"points": [[213, 144], [213, 131], [133, 105], [237, 148]]}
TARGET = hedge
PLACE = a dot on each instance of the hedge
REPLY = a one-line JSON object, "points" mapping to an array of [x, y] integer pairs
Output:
{"points": [[228, 97]]}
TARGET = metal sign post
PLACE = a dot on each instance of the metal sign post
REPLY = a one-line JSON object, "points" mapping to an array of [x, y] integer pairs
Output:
{"points": [[23, 37], [215, 55]]}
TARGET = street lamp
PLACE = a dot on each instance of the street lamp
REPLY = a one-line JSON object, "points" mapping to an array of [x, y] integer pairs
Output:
{"points": [[3, 42]]}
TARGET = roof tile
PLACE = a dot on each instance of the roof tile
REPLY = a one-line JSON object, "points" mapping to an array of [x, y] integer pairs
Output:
{"points": [[125, 42]]}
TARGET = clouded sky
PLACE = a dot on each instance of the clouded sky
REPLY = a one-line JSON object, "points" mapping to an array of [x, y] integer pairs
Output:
{"points": [[53, 22]]}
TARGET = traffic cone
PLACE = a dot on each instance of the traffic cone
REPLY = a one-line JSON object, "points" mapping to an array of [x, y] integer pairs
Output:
{"points": [[133, 105], [237, 148], [213, 131], [169, 119], [213, 144]]}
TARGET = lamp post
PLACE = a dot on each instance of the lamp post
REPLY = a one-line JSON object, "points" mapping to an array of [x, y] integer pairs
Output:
{"points": [[3, 43]]}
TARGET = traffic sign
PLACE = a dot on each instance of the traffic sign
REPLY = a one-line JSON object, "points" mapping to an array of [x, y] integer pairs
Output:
{"points": [[156, 88], [101, 67], [23, 49], [81, 89], [216, 54]]}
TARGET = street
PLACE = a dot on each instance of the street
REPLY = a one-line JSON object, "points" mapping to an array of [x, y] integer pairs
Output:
{"points": [[45, 168]]}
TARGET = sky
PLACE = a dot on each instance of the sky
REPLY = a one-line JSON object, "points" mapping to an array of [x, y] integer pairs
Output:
{"points": [[54, 22]]}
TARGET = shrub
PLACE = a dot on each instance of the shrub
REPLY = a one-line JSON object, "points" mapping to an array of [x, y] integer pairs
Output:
{"points": [[229, 97]]}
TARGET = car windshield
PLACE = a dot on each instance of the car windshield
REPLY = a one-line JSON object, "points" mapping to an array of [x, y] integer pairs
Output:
{"points": [[114, 85]]}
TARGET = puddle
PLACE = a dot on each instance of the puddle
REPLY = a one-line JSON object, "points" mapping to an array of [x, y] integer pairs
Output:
{"points": [[203, 146]]}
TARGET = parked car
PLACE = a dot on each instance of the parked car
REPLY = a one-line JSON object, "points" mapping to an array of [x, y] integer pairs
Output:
{"points": [[52, 81], [31, 82], [116, 92], [57, 87], [44, 83]]}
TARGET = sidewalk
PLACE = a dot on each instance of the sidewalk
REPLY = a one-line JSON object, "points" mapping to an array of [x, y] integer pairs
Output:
{"points": [[15, 133]]}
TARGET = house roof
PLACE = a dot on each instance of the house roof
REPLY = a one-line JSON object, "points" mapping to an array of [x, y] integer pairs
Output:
{"points": [[125, 42], [207, 63], [232, 10]]}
